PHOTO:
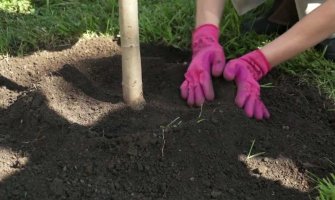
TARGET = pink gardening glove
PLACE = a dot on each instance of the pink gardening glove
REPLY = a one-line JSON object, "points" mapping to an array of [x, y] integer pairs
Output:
{"points": [[246, 71], [208, 59]]}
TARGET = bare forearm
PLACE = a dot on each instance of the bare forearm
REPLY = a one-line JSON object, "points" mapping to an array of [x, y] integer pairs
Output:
{"points": [[209, 12], [308, 32]]}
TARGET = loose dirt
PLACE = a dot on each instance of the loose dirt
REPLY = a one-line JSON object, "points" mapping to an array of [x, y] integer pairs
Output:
{"points": [[66, 134]]}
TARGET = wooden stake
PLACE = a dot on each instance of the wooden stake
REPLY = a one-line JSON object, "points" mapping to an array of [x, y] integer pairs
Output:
{"points": [[131, 56]]}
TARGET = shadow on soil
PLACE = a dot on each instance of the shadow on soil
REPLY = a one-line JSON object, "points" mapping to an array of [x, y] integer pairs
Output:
{"points": [[7, 83], [148, 155]]}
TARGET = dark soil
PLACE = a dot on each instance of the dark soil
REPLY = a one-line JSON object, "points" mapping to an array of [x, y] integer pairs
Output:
{"points": [[65, 133]]}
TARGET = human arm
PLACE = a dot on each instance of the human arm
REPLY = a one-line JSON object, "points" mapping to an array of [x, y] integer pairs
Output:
{"points": [[208, 56], [209, 12], [312, 29], [248, 69]]}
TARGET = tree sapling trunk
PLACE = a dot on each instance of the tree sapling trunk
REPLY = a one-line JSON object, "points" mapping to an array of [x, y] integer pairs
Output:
{"points": [[131, 57]]}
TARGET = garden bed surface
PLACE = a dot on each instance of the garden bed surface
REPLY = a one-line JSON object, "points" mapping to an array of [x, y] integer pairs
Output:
{"points": [[65, 133]]}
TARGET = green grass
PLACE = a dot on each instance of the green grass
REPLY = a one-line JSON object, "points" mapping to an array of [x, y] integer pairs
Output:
{"points": [[252, 155], [312, 68], [30, 25], [326, 188]]}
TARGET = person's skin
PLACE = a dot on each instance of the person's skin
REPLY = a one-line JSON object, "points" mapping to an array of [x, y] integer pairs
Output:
{"points": [[309, 31], [312, 29], [209, 12]]}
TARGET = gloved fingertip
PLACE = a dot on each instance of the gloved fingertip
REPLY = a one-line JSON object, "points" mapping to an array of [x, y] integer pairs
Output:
{"points": [[249, 106], [240, 99], [190, 101], [184, 89], [230, 70], [259, 118], [190, 97], [248, 114], [199, 96], [207, 86], [265, 111], [239, 103], [218, 64], [217, 69], [209, 94], [258, 110], [198, 103]]}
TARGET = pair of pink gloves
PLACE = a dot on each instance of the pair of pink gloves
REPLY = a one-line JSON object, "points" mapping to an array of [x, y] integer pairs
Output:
{"points": [[209, 59]]}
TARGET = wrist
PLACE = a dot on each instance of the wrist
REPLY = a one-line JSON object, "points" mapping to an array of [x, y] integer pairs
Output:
{"points": [[206, 30], [258, 64], [204, 36]]}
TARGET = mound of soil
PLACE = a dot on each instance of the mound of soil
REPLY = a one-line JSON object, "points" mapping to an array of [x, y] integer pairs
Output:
{"points": [[66, 134]]}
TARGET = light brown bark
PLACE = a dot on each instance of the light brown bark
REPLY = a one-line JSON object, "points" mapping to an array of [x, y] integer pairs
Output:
{"points": [[131, 56]]}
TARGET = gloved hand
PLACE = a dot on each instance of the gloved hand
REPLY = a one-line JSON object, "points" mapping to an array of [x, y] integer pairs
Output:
{"points": [[246, 71], [208, 59]]}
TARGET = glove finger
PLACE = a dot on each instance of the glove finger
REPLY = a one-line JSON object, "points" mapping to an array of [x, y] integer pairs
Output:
{"points": [[230, 70], [184, 89], [207, 86], [199, 96], [218, 64], [190, 97], [250, 106], [242, 95], [259, 110], [265, 111]]}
